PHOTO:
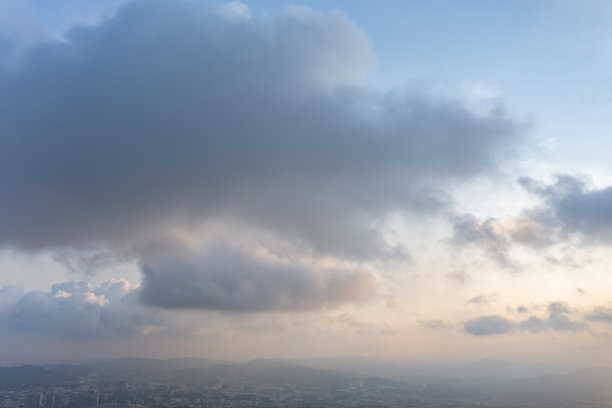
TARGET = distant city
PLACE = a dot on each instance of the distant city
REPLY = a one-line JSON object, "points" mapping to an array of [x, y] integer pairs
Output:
{"points": [[191, 383]]}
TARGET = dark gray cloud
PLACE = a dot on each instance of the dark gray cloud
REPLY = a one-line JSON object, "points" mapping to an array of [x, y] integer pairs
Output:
{"points": [[170, 114], [488, 325], [225, 278], [75, 309]]}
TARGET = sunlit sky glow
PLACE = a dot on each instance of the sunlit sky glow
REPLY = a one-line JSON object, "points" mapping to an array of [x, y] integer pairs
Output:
{"points": [[425, 180]]}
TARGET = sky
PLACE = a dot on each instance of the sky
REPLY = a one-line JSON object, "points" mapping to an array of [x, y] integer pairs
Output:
{"points": [[416, 180]]}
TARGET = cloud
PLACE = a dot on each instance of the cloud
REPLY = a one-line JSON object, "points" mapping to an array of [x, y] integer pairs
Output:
{"points": [[557, 320], [482, 299], [569, 212], [488, 325], [229, 279], [169, 114], [601, 314], [571, 207], [535, 324], [468, 230], [497, 236], [19, 29], [225, 280], [86, 261], [235, 10], [77, 310]]}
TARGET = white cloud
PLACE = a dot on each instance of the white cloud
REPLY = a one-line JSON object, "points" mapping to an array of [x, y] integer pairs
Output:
{"points": [[235, 10]]}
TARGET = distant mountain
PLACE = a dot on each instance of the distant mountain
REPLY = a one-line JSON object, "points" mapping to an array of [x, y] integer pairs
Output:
{"points": [[589, 384], [204, 371], [24, 377], [400, 370], [410, 371], [255, 366], [276, 372], [200, 370], [498, 370], [282, 372], [71, 370], [128, 364]]}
